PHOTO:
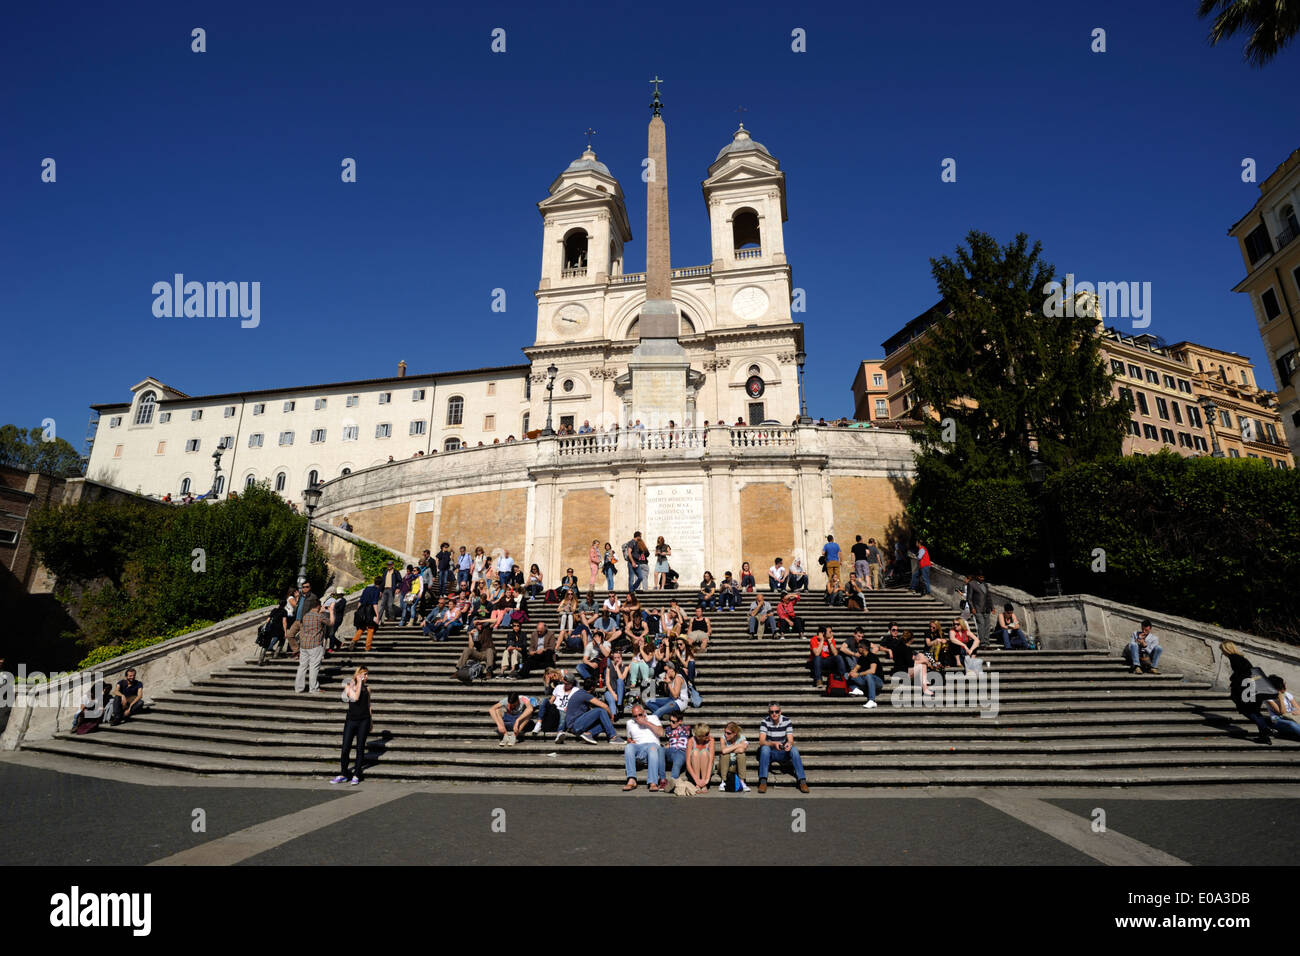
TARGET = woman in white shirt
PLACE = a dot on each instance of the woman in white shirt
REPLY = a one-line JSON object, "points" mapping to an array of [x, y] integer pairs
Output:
{"points": [[480, 563], [678, 698]]}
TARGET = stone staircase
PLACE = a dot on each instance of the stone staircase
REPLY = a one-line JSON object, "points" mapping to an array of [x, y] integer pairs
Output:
{"points": [[1064, 717]]}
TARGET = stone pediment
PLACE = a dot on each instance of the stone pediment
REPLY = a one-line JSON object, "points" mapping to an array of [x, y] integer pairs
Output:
{"points": [[744, 172], [576, 192]]}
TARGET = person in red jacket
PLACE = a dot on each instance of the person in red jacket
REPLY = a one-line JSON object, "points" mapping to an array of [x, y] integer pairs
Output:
{"points": [[923, 560], [825, 655]]}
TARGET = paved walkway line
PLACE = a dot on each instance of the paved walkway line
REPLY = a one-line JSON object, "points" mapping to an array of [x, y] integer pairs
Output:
{"points": [[243, 844], [1110, 847]]}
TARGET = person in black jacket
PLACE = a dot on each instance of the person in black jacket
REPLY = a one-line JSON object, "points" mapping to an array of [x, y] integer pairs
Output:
{"points": [[356, 694], [1241, 689]]}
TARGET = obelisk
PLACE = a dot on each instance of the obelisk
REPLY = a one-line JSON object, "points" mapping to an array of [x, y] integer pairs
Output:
{"points": [[658, 365]]}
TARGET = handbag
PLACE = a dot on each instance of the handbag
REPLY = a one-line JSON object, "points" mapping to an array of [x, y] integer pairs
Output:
{"points": [[696, 700], [837, 686]]}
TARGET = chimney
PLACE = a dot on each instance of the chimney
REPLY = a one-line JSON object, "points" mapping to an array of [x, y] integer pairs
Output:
{"points": [[401, 369]]}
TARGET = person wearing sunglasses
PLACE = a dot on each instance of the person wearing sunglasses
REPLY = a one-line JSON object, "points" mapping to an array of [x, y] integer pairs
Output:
{"points": [[776, 745]]}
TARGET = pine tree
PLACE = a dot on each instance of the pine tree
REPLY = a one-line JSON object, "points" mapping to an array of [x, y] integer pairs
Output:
{"points": [[994, 372]]}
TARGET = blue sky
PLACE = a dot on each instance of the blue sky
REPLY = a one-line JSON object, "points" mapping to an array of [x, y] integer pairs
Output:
{"points": [[225, 166]]}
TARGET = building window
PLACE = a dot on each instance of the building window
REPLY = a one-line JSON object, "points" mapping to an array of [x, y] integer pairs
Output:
{"points": [[144, 411], [1153, 377], [878, 379], [1167, 436], [385, 398], [417, 427], [320, 403], [250, 481], [455, 410], [1184, 386], [162, 448], [882, 409], [384, 430], [317, 436], [756, 415], [1258, 245], [489, 423], [1126, 398], [353, 401], [220, 485], [1245, 379], [255, 440], [185, 486], [1194, 416], [227, 441], [345, 472], [1149, 431], [1169, 382], [1199, 443], [528, 387], [744, 231], [1271, 309], [1142, 403], [1135, 372], [192, 445], [313, 477], [1117, 366], [286, 438], [1134, 428], [280, 480], [491, 388], [1184, 440], [259, 408], [524, 431], [1233, 453], [451, 444], [196, 414], [289, 406], [229, 412], [351, 432], [417, 394], [115, 421], [1178, 413], [1270, 431], [117, 451], [567, 385], [566, 421], [164, 418]]}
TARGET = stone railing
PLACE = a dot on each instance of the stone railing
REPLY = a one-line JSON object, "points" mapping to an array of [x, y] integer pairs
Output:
{"points": [[1095, 623], [669, 439], [685, 272], [573, 273], [761, 437], [749, 253]]}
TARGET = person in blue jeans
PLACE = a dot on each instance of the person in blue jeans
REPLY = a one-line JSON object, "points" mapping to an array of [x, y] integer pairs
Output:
{"points": [[464, 568], [1009, 629], [1143, 642], [677, 736], [776, 745], [678, 695], [588, 713], [643, 734], [865, 677]]}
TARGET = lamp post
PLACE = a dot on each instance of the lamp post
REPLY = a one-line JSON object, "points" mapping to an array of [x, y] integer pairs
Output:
{"points": [[1037, 472], [216, 471], [311, 498], [801, 357], [551, 371], [1211, 410]]}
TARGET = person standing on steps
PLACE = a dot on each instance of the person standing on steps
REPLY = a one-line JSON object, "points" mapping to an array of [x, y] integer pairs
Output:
{"points": [[875, 566], [981, 605], [831, 552], [311, 647], [366, 616], [860, 560], [391, 583], [662, 553], [923, 565], [356, 726]]}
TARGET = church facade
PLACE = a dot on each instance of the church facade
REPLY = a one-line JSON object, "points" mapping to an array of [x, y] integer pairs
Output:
{"points": [[675, 394]]}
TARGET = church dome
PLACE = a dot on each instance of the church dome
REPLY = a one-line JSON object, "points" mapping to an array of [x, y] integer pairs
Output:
{"points": [[587, 161], [741, 143]]}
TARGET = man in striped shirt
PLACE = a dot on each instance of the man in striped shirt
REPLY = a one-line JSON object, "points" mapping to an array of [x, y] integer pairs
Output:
{"points": [[776, 744], [311, 646]]}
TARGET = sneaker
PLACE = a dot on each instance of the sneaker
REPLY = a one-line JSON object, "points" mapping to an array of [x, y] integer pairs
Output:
{"points": [[722, 787], [744, 787], [354, 781], [869, 705], [502, 741], [559, 738], [339, 779], [588, 739], [511, 740], [617, 741], [855, 692], [1154, 670]]}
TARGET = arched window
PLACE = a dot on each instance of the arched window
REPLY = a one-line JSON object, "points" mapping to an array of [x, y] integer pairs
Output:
{"points": [[280, 480], [313, 477], [455, 410], [144, 411], [345, 472], [250, 481], [1288, 219], [744, 230], [524, 432], [575, 250], [220, 485], [185, 486], [451, 444]]}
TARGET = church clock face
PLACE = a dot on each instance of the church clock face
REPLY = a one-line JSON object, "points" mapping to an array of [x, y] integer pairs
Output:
{"points": [[750, 302], [570, 320]]}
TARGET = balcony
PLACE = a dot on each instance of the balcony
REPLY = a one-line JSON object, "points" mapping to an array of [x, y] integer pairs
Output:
{"points": [[749, 253], [638, 441], [1285, 237], [686, 272], [576, 273]]}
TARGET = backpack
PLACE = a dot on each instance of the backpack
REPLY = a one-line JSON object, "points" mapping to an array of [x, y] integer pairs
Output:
{"points": [[696, 700], [264, 634], [470, 672], [732, 782], [363, 616], [837, 686], [552, 597]]}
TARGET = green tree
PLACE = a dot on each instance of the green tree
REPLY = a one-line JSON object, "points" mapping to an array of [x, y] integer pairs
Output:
{"points": [[999, 372], [1271, 25], [27, 449]]}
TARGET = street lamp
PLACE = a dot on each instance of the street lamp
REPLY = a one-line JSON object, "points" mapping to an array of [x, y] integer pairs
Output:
{"points": [[1037, 472], [216, 471], [802, 357], [311, 498], [551, 371], [1211, 410]]}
